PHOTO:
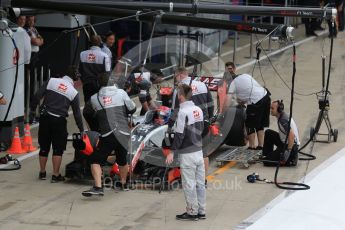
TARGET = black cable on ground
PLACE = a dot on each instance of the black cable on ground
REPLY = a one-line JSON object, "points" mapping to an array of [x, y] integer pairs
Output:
{"points": [[310, 156]]}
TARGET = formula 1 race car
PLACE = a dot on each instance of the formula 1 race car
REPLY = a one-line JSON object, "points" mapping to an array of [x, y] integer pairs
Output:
{"points": [[147, 156]]}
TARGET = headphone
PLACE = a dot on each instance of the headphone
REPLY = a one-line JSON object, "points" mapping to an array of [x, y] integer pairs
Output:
{"points": [[252, 178], [280, 108]]}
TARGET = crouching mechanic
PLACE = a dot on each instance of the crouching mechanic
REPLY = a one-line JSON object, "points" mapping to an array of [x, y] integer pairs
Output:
{"points": [[58, 94], [273, 138], [110, 107], [188, 144]]}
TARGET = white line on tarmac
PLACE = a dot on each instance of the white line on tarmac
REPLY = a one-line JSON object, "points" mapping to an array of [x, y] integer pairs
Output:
{"points": [[232, 51]]}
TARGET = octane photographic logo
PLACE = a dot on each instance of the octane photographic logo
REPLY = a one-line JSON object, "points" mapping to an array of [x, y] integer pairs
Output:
{"points": [[234, 184], [146, 137]]}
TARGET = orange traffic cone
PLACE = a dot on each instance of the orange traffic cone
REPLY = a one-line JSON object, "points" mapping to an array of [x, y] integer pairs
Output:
{"points": [[16, 146], [27, 142]]}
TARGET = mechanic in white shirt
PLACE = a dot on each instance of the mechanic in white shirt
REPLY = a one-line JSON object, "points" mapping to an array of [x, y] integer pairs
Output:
{"points": [[248, 91], [21, 20]]}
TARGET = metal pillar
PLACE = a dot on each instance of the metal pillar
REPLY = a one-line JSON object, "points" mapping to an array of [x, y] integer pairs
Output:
{"points": [[140, 39], [270, 38], [219, 49], [41, 77], [181, 49], [262, 4], [235, 47], [166, 39], [285, 18], [27, 103], [201, 40], [49, 73], [251, 44]]}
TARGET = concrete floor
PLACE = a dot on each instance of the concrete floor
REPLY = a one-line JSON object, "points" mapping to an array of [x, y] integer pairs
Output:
{"points": [[27, 203]]}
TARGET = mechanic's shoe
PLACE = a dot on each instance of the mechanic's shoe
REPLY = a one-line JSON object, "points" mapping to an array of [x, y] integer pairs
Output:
{"points": [[94, 191], [124, 187], [120, 186], [56, 179], [250, 148], [186, 216], [259, 148], [202, 216], [42, 176]]}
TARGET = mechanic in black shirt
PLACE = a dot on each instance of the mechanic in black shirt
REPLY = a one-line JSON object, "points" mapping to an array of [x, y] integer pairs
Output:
{"points": [[281, 153], [58, 95], [110, 108], [92, 63]]}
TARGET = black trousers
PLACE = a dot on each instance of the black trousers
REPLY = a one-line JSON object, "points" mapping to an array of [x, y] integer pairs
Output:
{"points": [[52, 132], [107, 145], [88, 114], [89, 89], [272, 139]]}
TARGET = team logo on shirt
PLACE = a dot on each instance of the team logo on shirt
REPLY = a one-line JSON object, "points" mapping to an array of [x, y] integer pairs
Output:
{"points": [[91, 57], [196, 114], [62, 87], [107, 100], [194, 89]]}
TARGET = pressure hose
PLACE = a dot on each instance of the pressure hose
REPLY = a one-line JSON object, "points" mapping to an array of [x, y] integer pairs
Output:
{"points": [[301, 186], [296, 186]]}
